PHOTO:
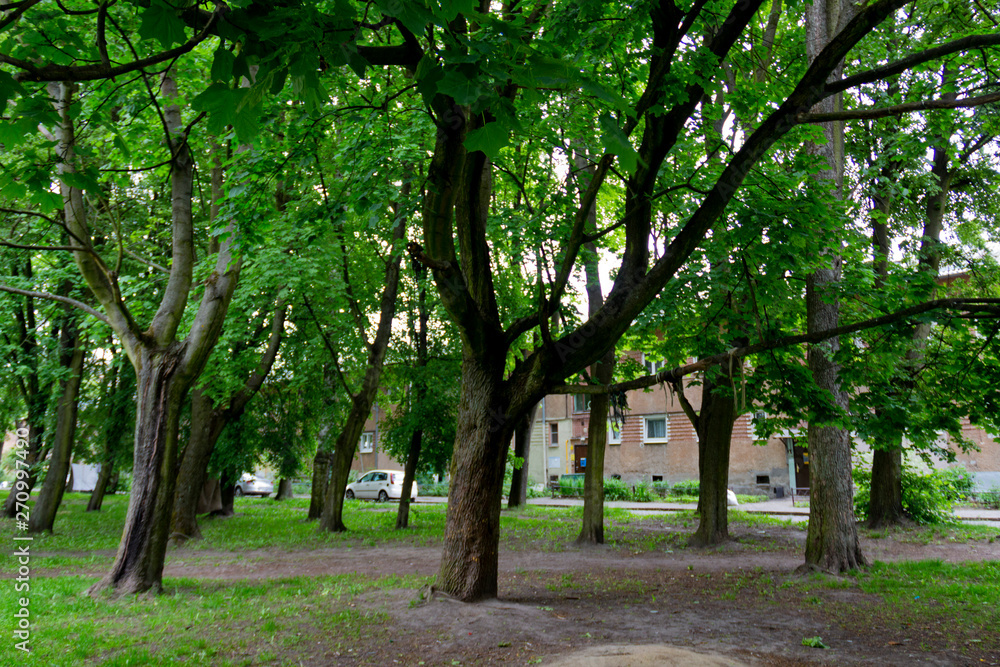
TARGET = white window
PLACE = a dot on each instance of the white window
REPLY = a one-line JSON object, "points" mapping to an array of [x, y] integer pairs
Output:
{"points": [[367, 443], [581, 402], [614, 434], [553, 435], [652, 366], [656, 429]]}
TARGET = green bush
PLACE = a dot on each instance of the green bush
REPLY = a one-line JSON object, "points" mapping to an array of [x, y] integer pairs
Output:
{"points": [[927, 497], [689, 487], [958, 484], [642, 493], [615, 489], [434, 489], [991, 498]]}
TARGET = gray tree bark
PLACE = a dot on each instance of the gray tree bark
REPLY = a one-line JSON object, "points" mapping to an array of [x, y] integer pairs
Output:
{"points": [[832, 539]]}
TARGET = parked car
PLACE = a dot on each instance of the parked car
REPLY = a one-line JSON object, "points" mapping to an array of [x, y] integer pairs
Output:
{"points": [[250, 485], [380, 485]]}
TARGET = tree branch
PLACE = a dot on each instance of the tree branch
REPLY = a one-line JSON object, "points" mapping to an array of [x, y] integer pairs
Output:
{"points": [[968, 308], [897, 109], [903, 64], [61, 299], [32, 72]]}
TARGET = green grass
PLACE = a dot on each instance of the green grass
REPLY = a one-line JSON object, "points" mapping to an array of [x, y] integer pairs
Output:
{"points": [[197, 622]]}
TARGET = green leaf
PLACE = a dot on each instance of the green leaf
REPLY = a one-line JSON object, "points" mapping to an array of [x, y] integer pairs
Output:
{"points": [[814, 642], [160, 22], [450, 9], [489, 139], [247, 124], [222, 65], [410, 13], [8, 89], [616, 143], [460, 88], [122, 146]]}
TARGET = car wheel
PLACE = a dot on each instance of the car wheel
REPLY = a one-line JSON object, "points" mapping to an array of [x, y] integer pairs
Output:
{"points": [[383, 496], [349, 495], [238, 492]]}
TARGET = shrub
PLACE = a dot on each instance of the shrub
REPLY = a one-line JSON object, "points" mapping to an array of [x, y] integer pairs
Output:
{"points": [[642, 493], [991, 498], [927, 497], [689, 487], [615, 489]]}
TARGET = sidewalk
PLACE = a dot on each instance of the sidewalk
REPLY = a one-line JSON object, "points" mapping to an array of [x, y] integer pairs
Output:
{"points": [[774, 507]]}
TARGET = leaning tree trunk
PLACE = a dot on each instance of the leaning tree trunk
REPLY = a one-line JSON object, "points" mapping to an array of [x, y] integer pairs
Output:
{"points": [[409, 474], [469, 562], [43, 515], [138, 565], [206, 427], [101, 488], [518, 495], [715, 436], [320, 483], [340, 468], [284, 490]]}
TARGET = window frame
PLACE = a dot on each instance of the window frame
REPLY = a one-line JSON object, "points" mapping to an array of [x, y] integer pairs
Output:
{"points": [[553, 435], [612, 439], [652, 367], [368, 436], [585, 398], [646, 439]]}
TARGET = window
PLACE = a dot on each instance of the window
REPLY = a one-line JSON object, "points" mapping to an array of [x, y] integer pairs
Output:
{"points": [[581, 403], [553, 435], [656, 429], [367, 478], [652, 366], [380, 477], [614, 434], [753, 423], [367, 443]]}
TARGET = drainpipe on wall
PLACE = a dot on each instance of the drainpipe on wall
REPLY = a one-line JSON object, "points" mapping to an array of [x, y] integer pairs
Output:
{"points": [[546, 439]]}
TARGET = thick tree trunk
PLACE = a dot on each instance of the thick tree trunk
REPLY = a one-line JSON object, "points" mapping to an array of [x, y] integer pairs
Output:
{"points": [[340, 466], [43, 515], [518, 495], [206, 427], [409, 474], [36, 428], [227, 489], [592, 527], [885, 506], [832, 539], [469, 562], [103, 482], [320, 483], [715, 434], [284, 490], [138, 565]]}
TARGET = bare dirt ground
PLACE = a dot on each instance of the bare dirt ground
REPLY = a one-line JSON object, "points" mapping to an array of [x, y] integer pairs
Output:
{"points": [[738, 604]]}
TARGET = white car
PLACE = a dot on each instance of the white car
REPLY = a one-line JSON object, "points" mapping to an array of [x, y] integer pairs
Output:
{"points": [[249, 485], [380, 485]]}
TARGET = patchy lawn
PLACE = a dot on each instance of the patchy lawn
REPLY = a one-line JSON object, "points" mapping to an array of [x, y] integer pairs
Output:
{"points": [[263, 588]]}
